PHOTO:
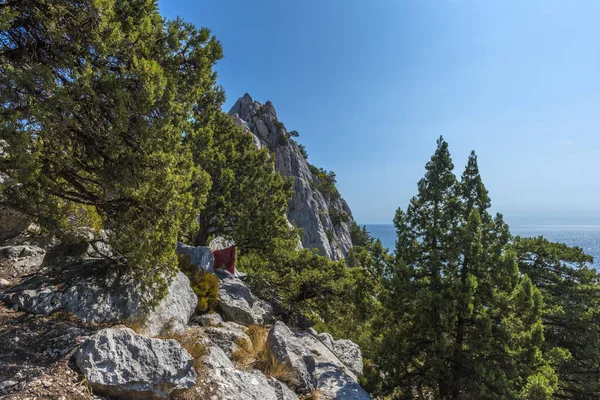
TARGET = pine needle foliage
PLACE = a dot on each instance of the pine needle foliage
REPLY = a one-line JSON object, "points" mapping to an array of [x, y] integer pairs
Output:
{"points": [[96, 97]]}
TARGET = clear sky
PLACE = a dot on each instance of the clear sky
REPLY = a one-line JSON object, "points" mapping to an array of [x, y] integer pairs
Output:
{"points": [[370, 85]]}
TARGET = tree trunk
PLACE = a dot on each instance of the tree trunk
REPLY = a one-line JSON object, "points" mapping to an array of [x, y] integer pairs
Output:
{"points": [[202, 236], [460, 334]]}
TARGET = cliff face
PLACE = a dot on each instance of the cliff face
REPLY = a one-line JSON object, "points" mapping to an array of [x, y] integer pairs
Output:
{"points": [[316, 206]]}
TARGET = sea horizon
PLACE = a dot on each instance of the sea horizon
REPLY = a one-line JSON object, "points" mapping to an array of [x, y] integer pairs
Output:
{"points": [[585, 236]]}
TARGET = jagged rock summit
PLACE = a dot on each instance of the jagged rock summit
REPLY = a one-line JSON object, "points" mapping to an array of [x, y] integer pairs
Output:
{"points": [[316, 207]]}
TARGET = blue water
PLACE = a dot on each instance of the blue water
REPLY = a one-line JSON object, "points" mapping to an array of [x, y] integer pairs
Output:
{"points": [[586, 237]]}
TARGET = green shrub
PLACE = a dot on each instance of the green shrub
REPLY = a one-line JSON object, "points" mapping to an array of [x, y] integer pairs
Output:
{"points": [[314, 170], [96, 98], [337, 217], [301, 281], [204, 284], [371, 380], [302, 151], [329, 235], [282, 139], [324, 182]]}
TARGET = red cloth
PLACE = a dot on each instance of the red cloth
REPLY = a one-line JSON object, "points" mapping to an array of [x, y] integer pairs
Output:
{"points": [[225, 258]]}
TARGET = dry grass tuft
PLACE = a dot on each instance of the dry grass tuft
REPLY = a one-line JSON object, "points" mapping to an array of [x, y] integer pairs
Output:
{"points": [[136, 324], [191, 340], [281, 371], [84, 385], [256, 355], [245, 355], [70, 318], [314, 395], [249, 354]]}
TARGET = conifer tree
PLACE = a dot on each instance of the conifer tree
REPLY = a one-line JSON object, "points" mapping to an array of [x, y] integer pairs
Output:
{"points": [[248, 198], [462, 322], [96, 96], [489, 292], [571, 312], [420, 300]]}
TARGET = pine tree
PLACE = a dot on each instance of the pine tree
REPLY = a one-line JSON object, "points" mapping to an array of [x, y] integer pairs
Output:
{"points": [[248, 198], [462, 322], [420, 297], [96, 97], [571, 312], [489, 292]]}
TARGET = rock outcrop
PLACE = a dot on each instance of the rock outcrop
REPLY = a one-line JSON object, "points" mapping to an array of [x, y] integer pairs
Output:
{"points": [[334, 378], [201, 256], [324, 216], [96, 291], [208, 319], [346, 350], [21, 259], [314, 365], [238, 304], [120, 363], [12, 222], [287, 349], [227, 336], [232, 383], [174, 310]]}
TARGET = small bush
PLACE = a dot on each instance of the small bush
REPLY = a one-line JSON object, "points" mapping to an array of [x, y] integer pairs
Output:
{"points": [[301, 233], [337, 217], [204, 284], [303, 151], [371, 379], [325, 182], [282, 139], [314, 170], [329, 235]]}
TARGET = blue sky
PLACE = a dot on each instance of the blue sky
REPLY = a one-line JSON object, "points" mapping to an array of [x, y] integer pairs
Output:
{"points": [[370, 85]]}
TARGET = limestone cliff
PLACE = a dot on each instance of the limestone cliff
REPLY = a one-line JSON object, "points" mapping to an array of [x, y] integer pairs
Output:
{"points": [[316, 206]]}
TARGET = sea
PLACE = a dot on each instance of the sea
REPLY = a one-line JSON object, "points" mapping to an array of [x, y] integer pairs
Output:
{"points": [[585, 236]]}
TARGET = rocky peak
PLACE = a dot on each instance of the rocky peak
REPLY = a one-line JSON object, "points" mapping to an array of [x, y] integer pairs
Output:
{"points": [[316, 206]]}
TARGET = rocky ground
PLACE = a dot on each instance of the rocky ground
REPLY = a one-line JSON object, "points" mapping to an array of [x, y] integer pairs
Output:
{"points": [[35, 356], [72, 327]]}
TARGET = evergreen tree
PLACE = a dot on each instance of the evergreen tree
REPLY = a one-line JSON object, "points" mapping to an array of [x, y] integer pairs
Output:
{"points": [[96, 95], [367, 263], [461, 323], [419, 299], [571, 313], [301, 282], [248, 198], [498, 314]]}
